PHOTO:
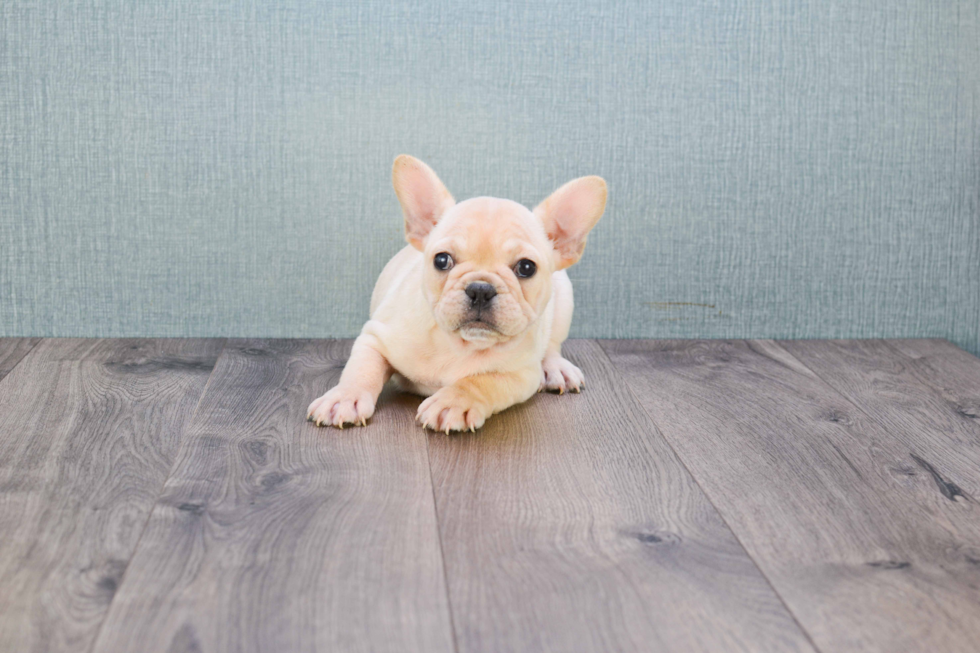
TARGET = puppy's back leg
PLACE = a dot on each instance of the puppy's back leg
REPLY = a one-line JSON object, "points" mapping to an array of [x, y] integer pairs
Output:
{"points": [[558, 374], [353, 399]]}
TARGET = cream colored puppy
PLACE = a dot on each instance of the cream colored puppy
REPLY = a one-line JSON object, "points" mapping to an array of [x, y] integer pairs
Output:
{"points": [[472, 313]]}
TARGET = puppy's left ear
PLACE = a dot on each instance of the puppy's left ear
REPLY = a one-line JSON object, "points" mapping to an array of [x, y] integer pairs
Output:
{"points": [[422, 195], [569, 214]]}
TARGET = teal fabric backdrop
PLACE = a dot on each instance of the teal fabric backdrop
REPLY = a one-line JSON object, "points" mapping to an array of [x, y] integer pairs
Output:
{"points": [[786, 168]]}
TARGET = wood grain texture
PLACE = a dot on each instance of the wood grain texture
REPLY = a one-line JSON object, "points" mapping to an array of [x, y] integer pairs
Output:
{"points": [[866, 552], [942, 439], [275, 535], [88, 432], [12, 350], [950, 370], [568, 524]]}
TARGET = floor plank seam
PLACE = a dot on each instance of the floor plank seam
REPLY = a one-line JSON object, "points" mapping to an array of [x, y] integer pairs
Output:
{"points": [[707, 495], [442, 552], [936, 390], [149, 515], [37, 341], [871, 418]]}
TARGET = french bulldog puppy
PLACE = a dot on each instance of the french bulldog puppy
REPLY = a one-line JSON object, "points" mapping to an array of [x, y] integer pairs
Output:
{"points": [[473, 311]]}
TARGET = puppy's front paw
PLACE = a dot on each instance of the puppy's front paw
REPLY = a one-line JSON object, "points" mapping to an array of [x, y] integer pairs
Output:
{"points": [[452, 409], [559, 375], [342, 406]]}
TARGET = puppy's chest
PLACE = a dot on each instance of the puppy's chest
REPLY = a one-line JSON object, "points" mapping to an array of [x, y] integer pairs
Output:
{"points": [[431, 366]]}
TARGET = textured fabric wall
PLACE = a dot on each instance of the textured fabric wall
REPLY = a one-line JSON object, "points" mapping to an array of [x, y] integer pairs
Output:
{"points": [[778, 168]]}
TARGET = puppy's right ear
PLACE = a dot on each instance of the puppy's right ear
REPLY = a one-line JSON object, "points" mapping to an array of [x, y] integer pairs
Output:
{"points": [[423, 198]]}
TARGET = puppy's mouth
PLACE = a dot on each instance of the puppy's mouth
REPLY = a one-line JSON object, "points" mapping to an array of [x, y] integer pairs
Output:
{"points": [[478, 324], [477, 329]]}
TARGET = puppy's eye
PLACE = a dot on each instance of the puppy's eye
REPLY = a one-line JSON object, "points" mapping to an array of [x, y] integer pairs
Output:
{"points": [[525, 268], [443, 261]]}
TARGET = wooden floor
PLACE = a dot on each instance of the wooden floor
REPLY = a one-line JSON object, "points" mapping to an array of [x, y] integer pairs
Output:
{"points": [[169, 495]]}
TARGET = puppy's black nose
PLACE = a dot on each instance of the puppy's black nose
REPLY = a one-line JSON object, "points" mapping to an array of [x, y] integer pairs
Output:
{"points": [[480, 293]]}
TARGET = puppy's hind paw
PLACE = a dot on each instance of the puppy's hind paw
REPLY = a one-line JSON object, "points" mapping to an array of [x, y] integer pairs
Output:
{"points": [[340, 407], [560, 375]]}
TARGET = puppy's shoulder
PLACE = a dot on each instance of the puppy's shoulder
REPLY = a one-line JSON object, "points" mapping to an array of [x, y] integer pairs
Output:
{"points": [[561, 287], [394, 273]]}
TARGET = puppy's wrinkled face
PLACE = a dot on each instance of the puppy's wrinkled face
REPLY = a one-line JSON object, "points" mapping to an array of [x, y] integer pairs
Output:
{"points": [[488, 261], [488, 267]]}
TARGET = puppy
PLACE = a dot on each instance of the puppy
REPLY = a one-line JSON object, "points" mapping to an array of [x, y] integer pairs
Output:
{"points": [[472, 313]]}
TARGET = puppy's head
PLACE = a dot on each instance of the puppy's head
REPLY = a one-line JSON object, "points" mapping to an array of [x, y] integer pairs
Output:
{"points": [[488, 262]]}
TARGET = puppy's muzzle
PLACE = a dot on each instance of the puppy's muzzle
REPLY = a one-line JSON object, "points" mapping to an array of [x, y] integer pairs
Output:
{"points": [[480, 294]]}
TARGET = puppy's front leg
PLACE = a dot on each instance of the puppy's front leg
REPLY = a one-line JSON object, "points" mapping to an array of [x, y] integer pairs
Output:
{"points": [[466, 404], [352, 400], [559, 374]]}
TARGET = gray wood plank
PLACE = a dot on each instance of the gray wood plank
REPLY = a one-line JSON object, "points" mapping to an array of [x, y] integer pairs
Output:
{"points": [[941, 440], [568, 524], [952, 371], [12, 350], [863, 549], [275, 535], [88, 432]]}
